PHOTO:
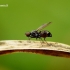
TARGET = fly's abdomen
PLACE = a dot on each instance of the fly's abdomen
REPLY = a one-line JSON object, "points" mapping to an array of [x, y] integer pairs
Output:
{"points": [[44, 35]]}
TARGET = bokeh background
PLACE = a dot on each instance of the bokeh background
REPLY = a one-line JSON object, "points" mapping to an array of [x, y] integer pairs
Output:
{"points": [[25, 15]]}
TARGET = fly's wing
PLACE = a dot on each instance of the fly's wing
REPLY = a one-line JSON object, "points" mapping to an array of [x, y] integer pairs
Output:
{"points": [[43, 26]]}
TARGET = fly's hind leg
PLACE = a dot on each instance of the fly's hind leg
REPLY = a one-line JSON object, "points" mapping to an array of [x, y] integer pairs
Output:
{"points": [[45, 41], [41, 41]]}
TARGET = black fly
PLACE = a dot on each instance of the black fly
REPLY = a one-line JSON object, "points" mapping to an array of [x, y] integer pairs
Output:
{"points": [[39, 33]]}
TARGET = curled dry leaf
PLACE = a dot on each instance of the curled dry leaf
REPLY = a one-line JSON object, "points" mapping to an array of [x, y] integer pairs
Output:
{"points": [[47, 48]]}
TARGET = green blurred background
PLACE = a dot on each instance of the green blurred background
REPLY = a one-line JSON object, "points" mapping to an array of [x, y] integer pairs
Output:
{"points": [[25, 15]]}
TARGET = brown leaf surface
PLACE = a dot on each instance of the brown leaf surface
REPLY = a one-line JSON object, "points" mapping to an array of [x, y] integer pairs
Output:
{"points": [[47, 48]]}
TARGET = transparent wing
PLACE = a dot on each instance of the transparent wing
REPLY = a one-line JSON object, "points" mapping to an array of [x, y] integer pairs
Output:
{"points": [[43, 26]]}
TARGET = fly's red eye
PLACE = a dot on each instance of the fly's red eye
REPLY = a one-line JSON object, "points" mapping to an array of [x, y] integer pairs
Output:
{"points": [[27, 34]]}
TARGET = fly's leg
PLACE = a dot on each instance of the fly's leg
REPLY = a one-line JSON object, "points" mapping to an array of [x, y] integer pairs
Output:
{"points": [[36, 39], [29, 39], [41, 41], [45, 41]]}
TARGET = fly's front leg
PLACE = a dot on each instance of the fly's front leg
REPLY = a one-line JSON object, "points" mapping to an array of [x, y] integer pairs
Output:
{"points": [[40, 39], [29, 39]]}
